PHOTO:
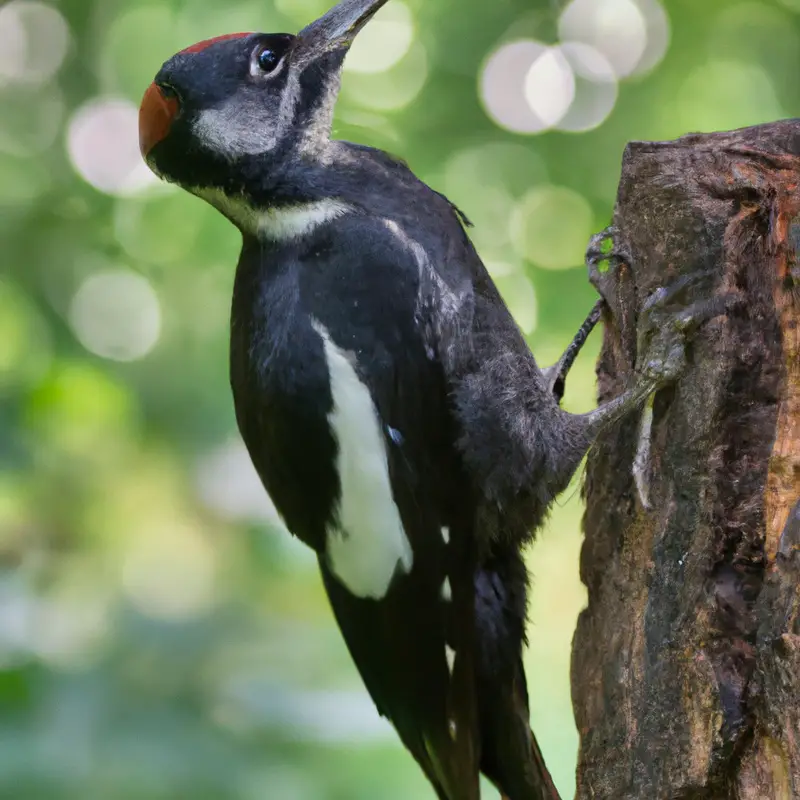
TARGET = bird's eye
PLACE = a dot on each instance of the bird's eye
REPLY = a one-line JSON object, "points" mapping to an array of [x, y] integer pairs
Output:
{"points": [[268, 60]]}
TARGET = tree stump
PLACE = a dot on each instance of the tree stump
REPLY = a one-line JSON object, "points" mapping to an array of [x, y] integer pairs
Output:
{"points": [[686, 662]]}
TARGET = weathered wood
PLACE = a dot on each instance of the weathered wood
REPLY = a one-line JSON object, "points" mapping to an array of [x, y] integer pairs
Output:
{"points": [[686, 662]]}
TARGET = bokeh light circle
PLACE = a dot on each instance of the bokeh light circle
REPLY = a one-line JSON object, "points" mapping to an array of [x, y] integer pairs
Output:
{"points": [[658, 35], [34, 40], [527, 87], [116, 315], [485, 180], [103, 145], [503, 89], [550, 86], [596, 88], [390, 89], [511, 166], [617, 28], [725, 94], [551, 226], [159, 228], [384, 42]]}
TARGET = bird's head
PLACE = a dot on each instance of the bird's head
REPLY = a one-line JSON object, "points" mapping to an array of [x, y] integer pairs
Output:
{"points": [[246, 102]]}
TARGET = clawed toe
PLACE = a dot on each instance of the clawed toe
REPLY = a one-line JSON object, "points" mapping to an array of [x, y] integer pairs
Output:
{"points": [[673, 291], [598, 248], [641, 461], [663, 333], [604, 248]]}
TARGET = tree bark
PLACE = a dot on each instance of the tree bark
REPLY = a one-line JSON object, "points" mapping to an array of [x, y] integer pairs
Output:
{"points": [[686, 662]]}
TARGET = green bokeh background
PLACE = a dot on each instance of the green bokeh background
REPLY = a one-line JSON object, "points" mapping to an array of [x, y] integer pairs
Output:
{"points": [[160, 636]]}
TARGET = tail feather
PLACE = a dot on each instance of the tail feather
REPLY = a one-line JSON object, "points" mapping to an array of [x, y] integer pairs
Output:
{"points": [[510, 755], [512, 759], [546, 786]]}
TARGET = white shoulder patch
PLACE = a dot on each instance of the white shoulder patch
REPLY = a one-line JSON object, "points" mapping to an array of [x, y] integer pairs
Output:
{"points": [[450, 300], [367, 543], [414, 246], [274, 224]]}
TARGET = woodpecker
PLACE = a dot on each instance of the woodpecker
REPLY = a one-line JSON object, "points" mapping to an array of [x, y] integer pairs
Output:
{"points": [[387, 399]]}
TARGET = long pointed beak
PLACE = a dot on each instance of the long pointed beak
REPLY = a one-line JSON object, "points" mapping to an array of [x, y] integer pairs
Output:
{"points": [[340, 25]]}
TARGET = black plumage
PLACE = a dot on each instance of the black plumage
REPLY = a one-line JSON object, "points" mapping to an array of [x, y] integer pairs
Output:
{"points": [[352, 277], [364, 323]]}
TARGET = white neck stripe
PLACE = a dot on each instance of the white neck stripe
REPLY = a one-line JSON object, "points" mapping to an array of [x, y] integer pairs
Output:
{"points": [[274, 224], [293, 222]]}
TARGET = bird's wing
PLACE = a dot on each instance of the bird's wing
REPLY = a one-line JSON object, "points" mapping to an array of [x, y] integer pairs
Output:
{"points": [[412, 644], [417, 332]]}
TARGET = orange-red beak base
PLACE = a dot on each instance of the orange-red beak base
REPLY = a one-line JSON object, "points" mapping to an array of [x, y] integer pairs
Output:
{"points": [[155, 117]]}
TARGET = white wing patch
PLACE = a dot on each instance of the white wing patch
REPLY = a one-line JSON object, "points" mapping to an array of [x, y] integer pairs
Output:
{"points": [[450, 655], [366, 543], [447, 591]]}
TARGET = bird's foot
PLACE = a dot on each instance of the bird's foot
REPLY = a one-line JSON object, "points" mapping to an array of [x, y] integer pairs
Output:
{"points": [[664, 326], [664, 331], [663, 337], [604, 256]]}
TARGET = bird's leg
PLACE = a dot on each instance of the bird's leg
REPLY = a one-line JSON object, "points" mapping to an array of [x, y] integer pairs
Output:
{"points": [[556, 375], [602, 249]]}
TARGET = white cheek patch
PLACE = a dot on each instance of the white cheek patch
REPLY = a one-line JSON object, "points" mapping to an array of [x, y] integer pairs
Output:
{"points": [[248, 127], [366, 543], [228, 131]]}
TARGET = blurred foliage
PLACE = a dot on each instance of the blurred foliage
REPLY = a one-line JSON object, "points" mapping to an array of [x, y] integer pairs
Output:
{"points": [[160, 635]]}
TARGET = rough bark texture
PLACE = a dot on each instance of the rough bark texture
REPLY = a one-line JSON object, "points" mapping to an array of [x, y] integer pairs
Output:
{"points": [[686, 663]]}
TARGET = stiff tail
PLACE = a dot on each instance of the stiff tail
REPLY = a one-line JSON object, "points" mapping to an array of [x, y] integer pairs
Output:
{"points": [[546, 787], [510, 755]]}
